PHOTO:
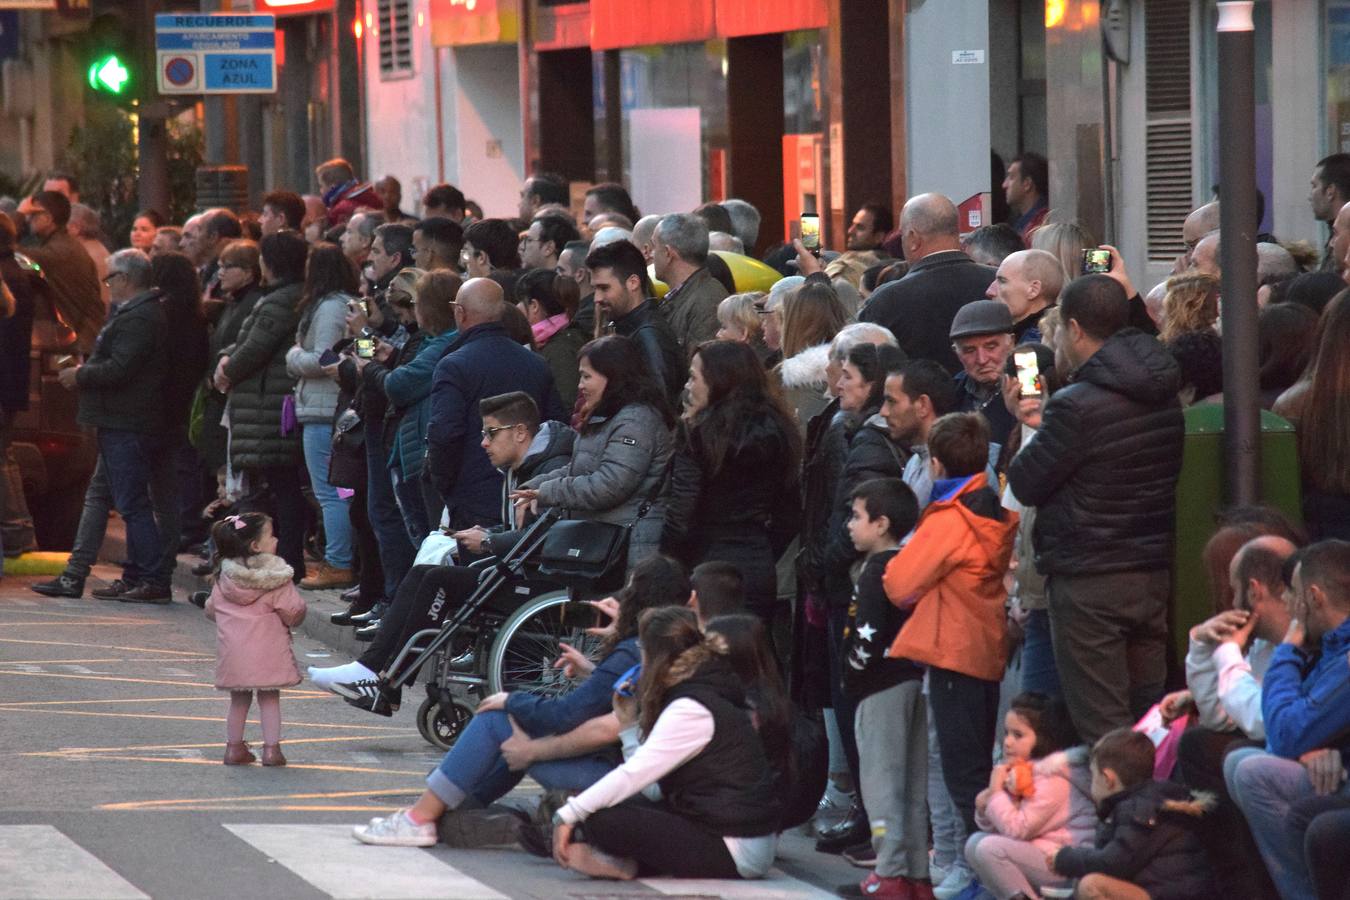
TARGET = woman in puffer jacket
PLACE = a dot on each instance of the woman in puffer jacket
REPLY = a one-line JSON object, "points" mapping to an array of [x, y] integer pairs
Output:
{"points": [[623, 449], [330, 283]]}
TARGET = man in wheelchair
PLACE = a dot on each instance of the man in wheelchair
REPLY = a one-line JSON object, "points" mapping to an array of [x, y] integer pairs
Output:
{"points": [[522, 447]]}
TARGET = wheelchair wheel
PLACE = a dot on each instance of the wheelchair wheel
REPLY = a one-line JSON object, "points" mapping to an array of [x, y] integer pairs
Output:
{"points": [[524, 650], [442, 725]]}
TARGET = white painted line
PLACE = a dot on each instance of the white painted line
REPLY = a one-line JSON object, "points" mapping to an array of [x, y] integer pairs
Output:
{"points": [[41, 863], [775, 886], [328, 857]]}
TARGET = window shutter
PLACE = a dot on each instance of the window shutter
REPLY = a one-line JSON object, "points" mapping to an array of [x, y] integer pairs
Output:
{"points": [[1167, 36], [396, 55]]}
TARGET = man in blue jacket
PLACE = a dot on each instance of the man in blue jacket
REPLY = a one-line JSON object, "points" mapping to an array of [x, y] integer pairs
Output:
{"points": [[482, 362], [1305, 704]]}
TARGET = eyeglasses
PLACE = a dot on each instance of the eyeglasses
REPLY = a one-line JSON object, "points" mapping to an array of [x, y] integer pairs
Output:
{"points": [[107, 279], [491, 431], [229, 265]]}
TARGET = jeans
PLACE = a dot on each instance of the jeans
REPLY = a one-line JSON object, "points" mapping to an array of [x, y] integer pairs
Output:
{"points": [[337, 522], [1110, 639], [1039, 672], [127, 460], [966, 710], [396, 550], [1267, 788], [473, 767], [949, 835]]}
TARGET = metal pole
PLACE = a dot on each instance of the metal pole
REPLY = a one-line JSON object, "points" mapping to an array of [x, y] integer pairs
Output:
{"points": [[152, 134], [1237, 220]]}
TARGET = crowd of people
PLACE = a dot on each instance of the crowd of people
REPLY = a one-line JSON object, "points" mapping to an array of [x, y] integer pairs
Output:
{"points": [[925, 484]]}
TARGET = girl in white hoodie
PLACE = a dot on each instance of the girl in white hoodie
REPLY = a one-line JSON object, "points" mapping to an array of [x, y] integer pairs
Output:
{"points": [[1038, 801]]}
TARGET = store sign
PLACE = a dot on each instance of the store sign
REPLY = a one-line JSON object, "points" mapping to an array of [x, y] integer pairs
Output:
{"points": [[28, 4], [456, 23], [738, 18], [636, 23], [294, 7]]}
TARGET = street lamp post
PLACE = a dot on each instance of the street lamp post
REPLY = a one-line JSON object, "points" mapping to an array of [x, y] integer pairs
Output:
{"points": [[1238, 226]]}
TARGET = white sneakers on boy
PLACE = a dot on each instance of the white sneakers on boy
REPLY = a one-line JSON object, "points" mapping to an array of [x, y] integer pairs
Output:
{"points": [[352, 671], [957, 880], [397, 830]]}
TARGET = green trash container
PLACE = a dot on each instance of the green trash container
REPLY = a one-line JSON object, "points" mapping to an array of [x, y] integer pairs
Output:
{"points": [[1200, 496]]}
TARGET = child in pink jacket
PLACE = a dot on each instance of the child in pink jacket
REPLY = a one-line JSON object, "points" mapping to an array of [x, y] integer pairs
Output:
{"points": [[1038, 800], [254, 604]]}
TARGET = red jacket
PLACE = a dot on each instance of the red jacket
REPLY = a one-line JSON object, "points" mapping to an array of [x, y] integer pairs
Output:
{"points": [[951, 572], [352, 200]]}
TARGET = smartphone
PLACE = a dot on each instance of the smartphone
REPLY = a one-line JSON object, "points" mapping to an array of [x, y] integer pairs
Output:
{"points": [[628, 681], [1028, 372], [328, 357], [365, 348], [1096, 262], [811, 232]]}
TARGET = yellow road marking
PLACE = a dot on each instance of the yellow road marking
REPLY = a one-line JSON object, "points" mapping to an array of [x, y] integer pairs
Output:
{"points": [[69, 750], [3, 623], [321, 767], [196, 653], [211, 801], [214, 698], [62, 615], [62, 662], [110, 715], [289, 692]]}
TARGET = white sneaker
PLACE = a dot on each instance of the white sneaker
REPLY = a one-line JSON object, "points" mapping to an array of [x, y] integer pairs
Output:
{"points": [[957, 880], [397, 830], [352, 671]]}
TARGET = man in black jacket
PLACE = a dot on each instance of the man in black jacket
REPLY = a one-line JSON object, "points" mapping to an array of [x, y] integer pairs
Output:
{"points": [[619, 279], [121, 394], [919, 308], [17, 309], [1102, 471]]}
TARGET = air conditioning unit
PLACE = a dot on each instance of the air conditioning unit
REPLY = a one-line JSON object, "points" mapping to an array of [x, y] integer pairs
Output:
{"points": [[16, 89]]}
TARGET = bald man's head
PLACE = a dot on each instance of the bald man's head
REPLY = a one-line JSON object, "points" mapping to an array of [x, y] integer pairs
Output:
{"points": [[929, 224], [1206, 256], [1256, 576], [1200, 223], [479, 301]]}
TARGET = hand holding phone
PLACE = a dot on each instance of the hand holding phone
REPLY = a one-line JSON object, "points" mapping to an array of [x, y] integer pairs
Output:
{"points": [[1028, 372], [365, 348], [810, 228]]}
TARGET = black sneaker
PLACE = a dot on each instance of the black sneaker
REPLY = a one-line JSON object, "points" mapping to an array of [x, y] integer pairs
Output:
{"points": [[62, 586], [202, 569], [112, 591], [146, 592], [368, 694], [199, 598]]}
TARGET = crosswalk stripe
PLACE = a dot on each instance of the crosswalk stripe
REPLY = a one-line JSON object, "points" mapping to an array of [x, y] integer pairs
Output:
{"points": [[775, 886], [41, 863], [328, 857]]}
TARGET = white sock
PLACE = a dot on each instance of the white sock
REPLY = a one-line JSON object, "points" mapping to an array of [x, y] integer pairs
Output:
{"points": [[352, 671]]}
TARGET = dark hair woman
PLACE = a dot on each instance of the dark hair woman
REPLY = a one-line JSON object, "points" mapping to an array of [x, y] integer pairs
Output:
{"points": [[237, 291], [623, 449], [733, 486], [1287, 334], [252, 371], [330, 283], [549, 301], [189, 359], [143, 229], [474, 768], [719, 803]]}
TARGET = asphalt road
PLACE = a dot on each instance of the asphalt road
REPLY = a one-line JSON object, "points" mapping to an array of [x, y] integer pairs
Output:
{"points": [[112, 786]]}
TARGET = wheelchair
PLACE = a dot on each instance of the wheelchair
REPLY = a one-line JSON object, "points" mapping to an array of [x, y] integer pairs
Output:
{"points": [[504, 637]]}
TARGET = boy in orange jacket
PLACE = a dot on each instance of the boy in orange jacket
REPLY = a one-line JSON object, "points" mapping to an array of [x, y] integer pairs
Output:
{"points": [[951, 575]]}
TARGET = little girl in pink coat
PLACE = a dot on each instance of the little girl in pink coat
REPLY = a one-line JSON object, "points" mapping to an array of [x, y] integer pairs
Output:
{"points": [[254, 604]]}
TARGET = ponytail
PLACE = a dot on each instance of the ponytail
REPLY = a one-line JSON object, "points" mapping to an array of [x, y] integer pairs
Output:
{"points": [[233, 537], [675, 649]]}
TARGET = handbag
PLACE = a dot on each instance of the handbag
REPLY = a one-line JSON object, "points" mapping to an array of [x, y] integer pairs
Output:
{"points": [[347, 462], [587, 550]]}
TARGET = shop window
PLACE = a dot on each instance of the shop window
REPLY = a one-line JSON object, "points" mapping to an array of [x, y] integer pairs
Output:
{"points": [[395, 37]]}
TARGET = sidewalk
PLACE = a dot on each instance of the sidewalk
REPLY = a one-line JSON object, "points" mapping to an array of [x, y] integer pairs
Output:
{"points": [[321, 603]]}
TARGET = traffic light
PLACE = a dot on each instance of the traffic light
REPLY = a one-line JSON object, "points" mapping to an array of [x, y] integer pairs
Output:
{"points": [[109, 75], [111, 67]]}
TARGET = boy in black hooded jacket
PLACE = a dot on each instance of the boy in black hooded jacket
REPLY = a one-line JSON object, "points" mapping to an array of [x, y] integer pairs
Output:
{"points": [[1147, 841]]}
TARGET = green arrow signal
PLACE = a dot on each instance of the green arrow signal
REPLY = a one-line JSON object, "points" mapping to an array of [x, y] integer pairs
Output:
{"points": [[108, 74]]}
